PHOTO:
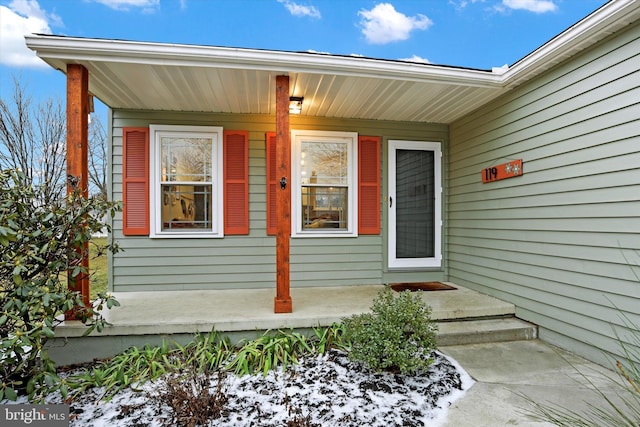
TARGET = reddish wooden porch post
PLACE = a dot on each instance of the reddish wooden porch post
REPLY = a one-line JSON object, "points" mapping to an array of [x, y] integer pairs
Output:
{"points": [[77, 156], [283, 196]]}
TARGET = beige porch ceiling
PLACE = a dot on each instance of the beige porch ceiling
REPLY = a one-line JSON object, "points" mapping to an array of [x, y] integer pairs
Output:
{"points": [[245, 91]]}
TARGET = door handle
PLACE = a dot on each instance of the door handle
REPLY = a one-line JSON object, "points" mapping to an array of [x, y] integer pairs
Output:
{"points": [[390, 202]]}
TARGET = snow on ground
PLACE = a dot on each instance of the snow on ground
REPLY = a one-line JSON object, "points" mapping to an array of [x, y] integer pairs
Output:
{"points": [[327, 390]]}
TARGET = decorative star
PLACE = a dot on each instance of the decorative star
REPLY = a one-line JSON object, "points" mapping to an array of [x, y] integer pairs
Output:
{"points": [[516, 169], [507, 168]]}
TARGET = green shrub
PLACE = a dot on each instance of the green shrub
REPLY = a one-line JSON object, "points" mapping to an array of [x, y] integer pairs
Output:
{"points": [[398, 334], [329, 337], [38, 246], [131, 368], [269, 351]]}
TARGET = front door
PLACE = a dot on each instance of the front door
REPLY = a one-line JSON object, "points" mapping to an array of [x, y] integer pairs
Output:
{"points": [[415, 218]]}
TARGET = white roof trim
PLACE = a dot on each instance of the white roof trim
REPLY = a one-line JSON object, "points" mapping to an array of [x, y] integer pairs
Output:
{"points": [[81, 49], [604, 21]]}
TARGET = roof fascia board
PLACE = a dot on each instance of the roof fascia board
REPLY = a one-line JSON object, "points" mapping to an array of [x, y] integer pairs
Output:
{"points": [[54, 49], [606, 19]]}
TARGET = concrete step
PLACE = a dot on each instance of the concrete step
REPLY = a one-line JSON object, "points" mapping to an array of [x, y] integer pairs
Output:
{"points": [[146, 317], [475, 331]]}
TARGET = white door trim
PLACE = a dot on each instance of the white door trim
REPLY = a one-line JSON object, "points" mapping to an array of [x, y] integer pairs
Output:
{"points": [[436, 260]]}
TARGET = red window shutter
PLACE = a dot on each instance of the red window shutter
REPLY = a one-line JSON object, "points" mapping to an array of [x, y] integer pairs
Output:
{"points": [[368, 185], [272, 184], [135, 181], [236, 182]]}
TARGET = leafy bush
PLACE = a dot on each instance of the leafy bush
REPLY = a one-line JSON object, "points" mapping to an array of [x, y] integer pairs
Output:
{"points": [[398, 334], [268, 351], [330, 337], [131, 368], [39, 245]]}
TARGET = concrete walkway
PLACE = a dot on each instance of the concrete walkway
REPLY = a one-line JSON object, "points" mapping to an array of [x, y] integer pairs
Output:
{"points": [[509, 373]]}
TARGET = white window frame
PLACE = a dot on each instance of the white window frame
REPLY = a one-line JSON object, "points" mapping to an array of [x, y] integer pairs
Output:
{"points": [[351, 139], [217, 175]]}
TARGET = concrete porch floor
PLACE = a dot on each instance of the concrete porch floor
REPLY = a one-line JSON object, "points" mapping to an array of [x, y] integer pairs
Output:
{"points": [[176, 312], [142, 318]]}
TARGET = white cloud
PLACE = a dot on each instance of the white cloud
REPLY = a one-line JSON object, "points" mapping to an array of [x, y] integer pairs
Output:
{"points": [[19, 18], [536, 6], [416, 58], [461, 4], [145, 5], [298, 10], [383, 24]]}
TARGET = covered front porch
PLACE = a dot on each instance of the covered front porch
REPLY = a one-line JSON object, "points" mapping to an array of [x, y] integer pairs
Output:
{"points": [[464, 317]]}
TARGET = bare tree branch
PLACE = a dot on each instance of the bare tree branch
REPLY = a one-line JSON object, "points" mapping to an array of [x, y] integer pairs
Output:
{"points": [[98, 156], [32, 140], [50, 123]]}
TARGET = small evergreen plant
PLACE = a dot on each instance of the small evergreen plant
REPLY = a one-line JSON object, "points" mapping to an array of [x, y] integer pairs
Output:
{"points": [[397, 335], [39, 245]]}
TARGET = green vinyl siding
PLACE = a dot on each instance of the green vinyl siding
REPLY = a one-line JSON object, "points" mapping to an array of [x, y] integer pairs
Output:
{"points": [[562, 241], [235, 262]]}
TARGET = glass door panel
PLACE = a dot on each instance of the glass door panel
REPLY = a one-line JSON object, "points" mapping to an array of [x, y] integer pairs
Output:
{"points": [[414, 204]]}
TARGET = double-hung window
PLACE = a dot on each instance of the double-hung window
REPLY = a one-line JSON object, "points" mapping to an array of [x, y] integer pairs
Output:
{"points": [[324, 192], [186, 181]]}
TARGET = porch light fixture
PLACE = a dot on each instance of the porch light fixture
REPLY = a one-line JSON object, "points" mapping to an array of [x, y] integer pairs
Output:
{"points": [[295, 104]]}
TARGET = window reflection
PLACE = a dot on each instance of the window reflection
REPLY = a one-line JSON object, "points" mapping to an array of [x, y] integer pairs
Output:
{"points": [[324, 163], [186, 187], [324, 179], [186, 159]]}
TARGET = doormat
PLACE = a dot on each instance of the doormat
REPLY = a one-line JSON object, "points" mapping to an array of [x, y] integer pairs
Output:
{"points": [[421, 286]]}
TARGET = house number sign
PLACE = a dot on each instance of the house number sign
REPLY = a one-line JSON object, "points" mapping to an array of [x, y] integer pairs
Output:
{"points": [[503, 171]]}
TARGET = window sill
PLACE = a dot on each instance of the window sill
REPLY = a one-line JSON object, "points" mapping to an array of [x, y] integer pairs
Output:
{"points": [[323, 234], [186, 235]]}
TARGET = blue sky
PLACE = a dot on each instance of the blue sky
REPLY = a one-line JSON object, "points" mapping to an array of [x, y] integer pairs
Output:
{"points": [[468, 33]]}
